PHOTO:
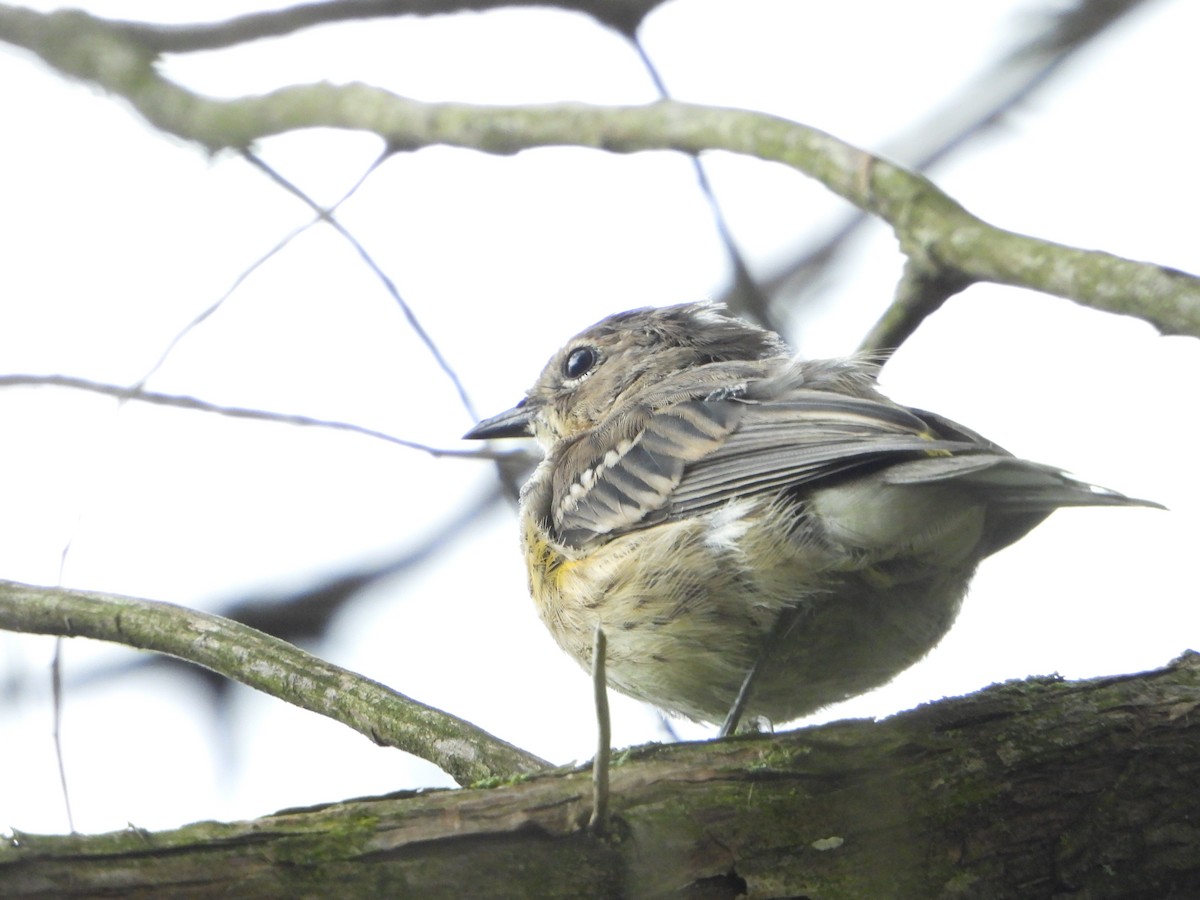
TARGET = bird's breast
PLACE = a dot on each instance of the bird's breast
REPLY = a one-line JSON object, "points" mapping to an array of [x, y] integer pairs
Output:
{"points": [[687, 604]]}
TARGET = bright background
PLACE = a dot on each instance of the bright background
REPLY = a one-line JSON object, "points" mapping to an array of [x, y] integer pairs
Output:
{"points": [[113, 237]]}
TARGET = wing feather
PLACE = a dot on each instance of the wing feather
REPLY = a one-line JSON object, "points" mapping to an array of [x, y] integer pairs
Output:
{"points": [[624, 473], [691, 456], [812, 437], [698, 454]]}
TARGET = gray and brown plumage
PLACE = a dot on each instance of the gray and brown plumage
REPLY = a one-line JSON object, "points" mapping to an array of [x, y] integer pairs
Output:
{"points": [[720, 507]]}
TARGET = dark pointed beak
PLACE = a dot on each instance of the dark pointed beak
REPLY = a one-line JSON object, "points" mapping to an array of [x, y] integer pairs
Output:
{"points": [[515, 422]]}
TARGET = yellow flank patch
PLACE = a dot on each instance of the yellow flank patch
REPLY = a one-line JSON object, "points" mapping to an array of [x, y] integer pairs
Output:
{"points": [[546, 562]]}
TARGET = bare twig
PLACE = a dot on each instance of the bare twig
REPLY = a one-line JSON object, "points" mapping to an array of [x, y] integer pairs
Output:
{"points": [[56, 689], [182, 401], [744, 296], [598, 822], [246, 273], [326, 216]]}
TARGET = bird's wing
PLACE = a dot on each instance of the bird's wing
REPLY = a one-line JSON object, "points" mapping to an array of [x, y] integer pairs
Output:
{"points": [[698, 454], [621, 476], [811, 438]]}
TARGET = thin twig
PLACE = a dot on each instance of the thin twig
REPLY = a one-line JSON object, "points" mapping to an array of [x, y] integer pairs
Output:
{"points": [[56, 687], [204, 314], [744, 296], [182, 401], [600, 765], [327, 217]]}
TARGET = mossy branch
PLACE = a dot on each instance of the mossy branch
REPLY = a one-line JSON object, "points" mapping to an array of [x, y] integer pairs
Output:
{"points": [[949, 247], [270, 665], [1040, 789]]}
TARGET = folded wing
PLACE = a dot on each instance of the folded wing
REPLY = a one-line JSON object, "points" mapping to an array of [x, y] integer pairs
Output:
{"points": [[697, 455]]}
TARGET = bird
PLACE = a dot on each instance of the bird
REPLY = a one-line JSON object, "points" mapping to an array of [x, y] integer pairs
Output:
{"points": [[759, 536]]}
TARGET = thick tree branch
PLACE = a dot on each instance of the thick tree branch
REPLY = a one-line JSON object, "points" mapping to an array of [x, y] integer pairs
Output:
{"points": [[1034, 789], [948, 245], [976, 108], [623, 15], [944, 240], [270, 665]]}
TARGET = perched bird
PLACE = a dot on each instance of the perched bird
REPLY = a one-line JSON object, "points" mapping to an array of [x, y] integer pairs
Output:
{"points": [[745, 524]]}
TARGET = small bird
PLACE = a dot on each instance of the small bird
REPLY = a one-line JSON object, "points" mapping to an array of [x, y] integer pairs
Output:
{"points": [[757, 535]]}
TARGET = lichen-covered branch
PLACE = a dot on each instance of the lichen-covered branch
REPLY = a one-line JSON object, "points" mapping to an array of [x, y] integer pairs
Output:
{"points": [[1033, 789], [270, 665], [945, 241]]}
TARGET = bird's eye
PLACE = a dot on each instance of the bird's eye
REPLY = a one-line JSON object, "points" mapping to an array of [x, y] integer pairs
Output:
{"points": [[579, 362]]}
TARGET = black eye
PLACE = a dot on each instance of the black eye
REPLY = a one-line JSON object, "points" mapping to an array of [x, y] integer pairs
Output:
{"points": [[579, 362]]}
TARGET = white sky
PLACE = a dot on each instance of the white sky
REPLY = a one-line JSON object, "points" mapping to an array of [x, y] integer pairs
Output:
{"points": [[114, 237]]}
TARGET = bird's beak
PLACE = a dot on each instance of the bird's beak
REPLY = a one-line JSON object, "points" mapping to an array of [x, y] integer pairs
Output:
{"points": [[515, 422]]}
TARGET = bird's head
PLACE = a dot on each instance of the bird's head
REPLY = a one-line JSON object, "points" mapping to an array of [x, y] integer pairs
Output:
{"points": [[603, 367]]}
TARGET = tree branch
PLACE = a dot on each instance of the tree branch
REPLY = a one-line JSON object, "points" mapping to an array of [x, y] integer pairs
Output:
{"points": [[977, 108], [1033, 789], [946, 242], [919, 293], [623, 15], [270, 665]]}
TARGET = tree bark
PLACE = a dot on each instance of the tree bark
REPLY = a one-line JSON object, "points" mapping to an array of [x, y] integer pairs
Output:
{"points": [[1040, 788]]}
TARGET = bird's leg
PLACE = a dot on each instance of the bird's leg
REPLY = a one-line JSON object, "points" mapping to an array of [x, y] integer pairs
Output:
{"points": [[784, 624], [729, 726]]}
